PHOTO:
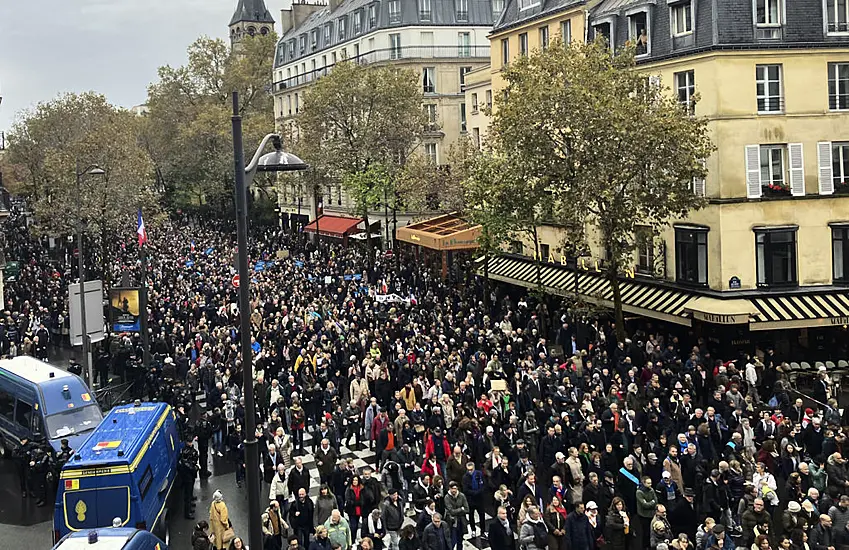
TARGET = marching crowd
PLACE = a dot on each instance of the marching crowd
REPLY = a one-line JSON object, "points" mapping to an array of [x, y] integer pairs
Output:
{"points": [[476, 403]]}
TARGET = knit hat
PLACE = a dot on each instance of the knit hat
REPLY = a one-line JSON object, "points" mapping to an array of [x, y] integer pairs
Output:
{"points": [[794, 507]]}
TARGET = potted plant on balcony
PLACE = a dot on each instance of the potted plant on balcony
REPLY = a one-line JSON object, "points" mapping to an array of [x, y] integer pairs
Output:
{"points": [[777, 189]]}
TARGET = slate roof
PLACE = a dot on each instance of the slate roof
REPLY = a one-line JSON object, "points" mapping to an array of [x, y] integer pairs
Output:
{"points": [[251, 11], [443, 13], [512, 16], [615, 6]]}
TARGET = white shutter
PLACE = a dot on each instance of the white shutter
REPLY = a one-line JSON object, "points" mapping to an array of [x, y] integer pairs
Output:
{"points": [[797, 169], [699, 188], [825, 170], [654, 81], [753, 171]]}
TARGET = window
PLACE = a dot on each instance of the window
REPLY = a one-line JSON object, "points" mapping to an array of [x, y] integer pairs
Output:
{"points": [[429, 80], [463, 72], [464, 44], [638, 32], [358, 21], [463, 117], [543, 37], [523, 44], [566, 31], [691, 255], [462, 7], [23, 415], [430, 111], [289, 103], [145, 482], [341, 27], [323, 65], [840, 167], [424, 10], [645, 252], [603, 29], [430, 151], [768, 19], [772, 167], [516, 247], [505, 51], [497, 8], [356, 51], [395, 11], [544, 252], [474, 104], [838, 86], [395, 46], [297, 104], [333, 58], [7, 406], [328, 34], [527, 4], [768, 85], [681, 16], [685, 85], [312, 68], [840, 253], [302, 46], [314, 39], [489, 99], [837, 12], [775, 250], [372, 16]]}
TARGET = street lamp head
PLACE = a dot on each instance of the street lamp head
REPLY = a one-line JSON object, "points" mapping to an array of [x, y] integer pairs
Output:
{"points": [[279, 160]]}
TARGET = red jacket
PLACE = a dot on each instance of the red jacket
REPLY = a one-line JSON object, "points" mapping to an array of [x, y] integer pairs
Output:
{"points": [[377, 425], [429, 449]]}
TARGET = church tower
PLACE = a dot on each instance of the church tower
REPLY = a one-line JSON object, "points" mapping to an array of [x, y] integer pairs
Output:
{"points": [[251, 17]]}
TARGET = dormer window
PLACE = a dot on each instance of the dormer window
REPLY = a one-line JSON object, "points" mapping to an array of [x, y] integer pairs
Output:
{"points": [[394, 11], [303, 44], [372, 16], [497, 8], [358, 21], [527, 4], [837, 12], [341, 28], [681, 16], [638, 32], [424, 10], [462, 10], [768, 17], [328, 34], [314, 39], [291, 49]]}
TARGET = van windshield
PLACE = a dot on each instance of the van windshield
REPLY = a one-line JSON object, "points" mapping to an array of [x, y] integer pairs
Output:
{"points": [[73, 421]]}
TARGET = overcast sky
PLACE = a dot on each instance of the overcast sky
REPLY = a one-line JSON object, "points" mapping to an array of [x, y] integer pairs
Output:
{"points": [[110, 46]]}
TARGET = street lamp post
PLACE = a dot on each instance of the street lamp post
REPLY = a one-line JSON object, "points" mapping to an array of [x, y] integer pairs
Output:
{"points": [[278, 161], [92, 170]]}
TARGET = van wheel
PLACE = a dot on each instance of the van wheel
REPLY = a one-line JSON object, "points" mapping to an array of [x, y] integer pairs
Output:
{"points": [[164, 533]]}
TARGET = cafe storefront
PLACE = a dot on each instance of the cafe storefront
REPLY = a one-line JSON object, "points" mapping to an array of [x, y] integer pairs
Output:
{"points": [[441, 241]]}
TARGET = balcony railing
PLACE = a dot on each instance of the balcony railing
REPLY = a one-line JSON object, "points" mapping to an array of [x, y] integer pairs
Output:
{"points": [[390, 54]]}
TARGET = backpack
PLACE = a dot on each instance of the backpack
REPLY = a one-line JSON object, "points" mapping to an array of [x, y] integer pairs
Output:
{"points": [[773, 402]]}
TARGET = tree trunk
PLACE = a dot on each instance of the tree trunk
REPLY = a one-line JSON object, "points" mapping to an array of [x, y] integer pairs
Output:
{"points": [[538, 261], [369, 247], [613, 277], [486, 283]]}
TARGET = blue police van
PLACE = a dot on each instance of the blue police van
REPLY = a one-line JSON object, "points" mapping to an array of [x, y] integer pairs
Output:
{"points": [[126, 469], [41, 402], [120, 538]]}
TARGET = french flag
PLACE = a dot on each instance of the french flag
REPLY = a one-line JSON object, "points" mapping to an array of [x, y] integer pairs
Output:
{"points": [[193, 246], [141, 230]]}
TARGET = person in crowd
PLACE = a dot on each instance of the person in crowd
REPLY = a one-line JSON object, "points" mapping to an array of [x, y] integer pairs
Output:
{"points": [[219, 521]]}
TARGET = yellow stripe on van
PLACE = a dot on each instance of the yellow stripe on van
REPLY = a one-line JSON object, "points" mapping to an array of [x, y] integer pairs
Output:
{"points": [[94, 472], [147, 443]]}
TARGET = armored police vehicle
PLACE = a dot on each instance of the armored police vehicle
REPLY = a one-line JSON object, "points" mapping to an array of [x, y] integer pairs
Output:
{"points": [[41, 402], [126, 469], [121, 538]]}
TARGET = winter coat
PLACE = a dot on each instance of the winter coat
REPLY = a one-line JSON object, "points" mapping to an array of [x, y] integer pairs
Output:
{"points": [[646, 502], [324, 506], [392, 513], [614, 531], [219, 521], [456, 510], [432, 535], [532, 533]]}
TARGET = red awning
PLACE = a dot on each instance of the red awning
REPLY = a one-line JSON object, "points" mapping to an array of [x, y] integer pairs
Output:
{"points": [[334, 226]]}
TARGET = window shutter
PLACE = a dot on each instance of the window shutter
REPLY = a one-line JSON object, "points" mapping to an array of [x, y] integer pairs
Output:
{"points": [[699, 185], [797, 170], [753, 171], [825, 170]]}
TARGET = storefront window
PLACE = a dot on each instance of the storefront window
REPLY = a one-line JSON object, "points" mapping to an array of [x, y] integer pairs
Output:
{"points": [[840, 253]]}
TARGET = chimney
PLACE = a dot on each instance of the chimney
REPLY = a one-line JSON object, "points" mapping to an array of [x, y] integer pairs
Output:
{"points": [[301, 11], [286, 20]]}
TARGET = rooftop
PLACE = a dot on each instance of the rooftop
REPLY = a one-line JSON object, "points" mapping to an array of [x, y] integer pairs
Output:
{"points": [[32, 369], [251, 11], [513, 16], [121, 436]]}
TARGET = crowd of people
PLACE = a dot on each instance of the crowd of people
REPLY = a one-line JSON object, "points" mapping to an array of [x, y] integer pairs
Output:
{"points": [[477, 401]]}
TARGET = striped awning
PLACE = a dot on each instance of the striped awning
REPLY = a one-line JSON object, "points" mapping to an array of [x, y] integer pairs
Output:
{"points": [[522, 272], [638, 297], [799, 311]]}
